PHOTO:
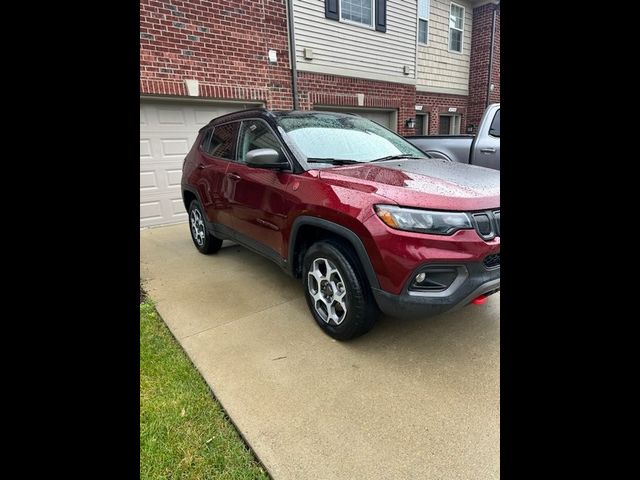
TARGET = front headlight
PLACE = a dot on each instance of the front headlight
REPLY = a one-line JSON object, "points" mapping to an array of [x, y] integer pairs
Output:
{"points": [[423, 221]]}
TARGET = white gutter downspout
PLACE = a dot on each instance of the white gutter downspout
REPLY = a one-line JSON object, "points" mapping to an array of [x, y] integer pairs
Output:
{"points": [[292, 56]]}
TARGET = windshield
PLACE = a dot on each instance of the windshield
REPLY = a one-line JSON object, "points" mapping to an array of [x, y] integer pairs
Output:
{"points": [[336, 137]]}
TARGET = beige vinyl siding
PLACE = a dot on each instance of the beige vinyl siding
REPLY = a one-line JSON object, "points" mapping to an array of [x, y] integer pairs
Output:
{"points": [[352, 50], [438, 69]]}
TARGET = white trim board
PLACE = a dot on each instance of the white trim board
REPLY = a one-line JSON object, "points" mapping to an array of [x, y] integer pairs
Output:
{"points": [[452, 91], [344, 72]]}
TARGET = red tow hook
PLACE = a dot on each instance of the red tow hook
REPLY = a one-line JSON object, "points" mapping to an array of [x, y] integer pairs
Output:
{"points": [[481, 300]]}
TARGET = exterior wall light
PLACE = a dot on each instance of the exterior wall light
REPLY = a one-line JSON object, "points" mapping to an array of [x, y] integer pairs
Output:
{"points": [[410, 123]]}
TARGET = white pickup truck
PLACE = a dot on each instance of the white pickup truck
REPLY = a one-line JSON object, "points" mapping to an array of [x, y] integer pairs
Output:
{"points": [[482, 149]]}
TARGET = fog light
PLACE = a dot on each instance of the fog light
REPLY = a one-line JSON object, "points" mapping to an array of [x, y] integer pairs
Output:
{"points": [[434, 278]]}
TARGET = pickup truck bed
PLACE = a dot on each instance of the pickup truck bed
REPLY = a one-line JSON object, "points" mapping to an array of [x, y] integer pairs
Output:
{"points": [[451, 147], [482, 149]]}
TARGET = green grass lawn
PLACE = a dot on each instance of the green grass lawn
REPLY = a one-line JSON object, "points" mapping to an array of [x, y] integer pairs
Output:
{"points": [[184, 433]]}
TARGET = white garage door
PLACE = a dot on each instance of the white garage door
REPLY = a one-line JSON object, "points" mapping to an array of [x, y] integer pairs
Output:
{"points": [[167, 132], [386, 118]]}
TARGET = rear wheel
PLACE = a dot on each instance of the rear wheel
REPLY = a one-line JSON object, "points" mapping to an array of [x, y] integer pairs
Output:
{"points": [[202, 239], [337, 291]]}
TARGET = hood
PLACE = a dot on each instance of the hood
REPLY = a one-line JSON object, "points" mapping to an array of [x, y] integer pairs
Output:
{"points": [[424, 183]]}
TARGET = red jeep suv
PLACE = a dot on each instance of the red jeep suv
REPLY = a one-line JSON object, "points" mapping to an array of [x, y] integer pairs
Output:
{"points": [[365, 219]]}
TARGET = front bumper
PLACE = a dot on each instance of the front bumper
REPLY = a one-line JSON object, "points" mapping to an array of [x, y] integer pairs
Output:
{"points": [[473, 280]]}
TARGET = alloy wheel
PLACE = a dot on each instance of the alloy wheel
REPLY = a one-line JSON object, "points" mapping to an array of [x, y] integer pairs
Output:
{"points": [[328, 291], [197, 226]]}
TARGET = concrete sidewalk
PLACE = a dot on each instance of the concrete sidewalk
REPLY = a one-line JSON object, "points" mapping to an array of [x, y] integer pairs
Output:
{"points": [[411, 399]]}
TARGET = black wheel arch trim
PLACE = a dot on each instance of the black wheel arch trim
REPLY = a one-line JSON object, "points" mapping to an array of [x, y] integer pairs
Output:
{"points": [[190, 189], [339, 230], [300, 221]]}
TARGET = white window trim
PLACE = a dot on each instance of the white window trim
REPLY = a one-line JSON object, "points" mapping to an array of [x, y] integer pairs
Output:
{"points": [[464, 13], [427, 20], [358, 24]]}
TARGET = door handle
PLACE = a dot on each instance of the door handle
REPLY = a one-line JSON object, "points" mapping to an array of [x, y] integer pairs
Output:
{"points": [[201, 166], [233, 176], [488, 150]]}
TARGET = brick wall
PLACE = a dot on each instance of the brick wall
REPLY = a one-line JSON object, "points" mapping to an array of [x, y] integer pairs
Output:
{"points": [[319, 89], [479, 63], [222, 43], [436, 104], [494, 97]]}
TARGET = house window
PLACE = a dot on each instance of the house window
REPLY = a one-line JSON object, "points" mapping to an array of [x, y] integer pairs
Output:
{"points": [[357, 11], [456, 28], [449, 125], [423, 20]]}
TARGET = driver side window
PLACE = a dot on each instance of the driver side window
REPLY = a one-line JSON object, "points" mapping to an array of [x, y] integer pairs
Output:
{"points": [[256, 134]]}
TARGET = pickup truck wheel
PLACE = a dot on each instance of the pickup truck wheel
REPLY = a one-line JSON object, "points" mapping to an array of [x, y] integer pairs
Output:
{"points": [[337, 292], [202, 239]]}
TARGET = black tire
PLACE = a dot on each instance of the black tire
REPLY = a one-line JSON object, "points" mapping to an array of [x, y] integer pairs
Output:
{"points": [[204, 241], [361, 309]]}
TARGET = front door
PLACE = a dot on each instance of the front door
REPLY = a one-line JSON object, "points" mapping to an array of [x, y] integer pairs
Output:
{"points": [[258, 197], [422, 124], [449, 125], [486, 152]]}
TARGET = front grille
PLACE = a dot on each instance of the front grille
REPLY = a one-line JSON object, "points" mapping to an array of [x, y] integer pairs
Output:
{"points": [[484, 224], [487, 224], [492, 261]]}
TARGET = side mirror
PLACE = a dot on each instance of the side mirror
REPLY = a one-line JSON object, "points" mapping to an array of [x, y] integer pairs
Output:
{"points": [[265, 158]]}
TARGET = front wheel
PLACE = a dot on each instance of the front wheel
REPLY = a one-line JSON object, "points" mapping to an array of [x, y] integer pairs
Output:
{"points": [[337, 291], [202, 239]]}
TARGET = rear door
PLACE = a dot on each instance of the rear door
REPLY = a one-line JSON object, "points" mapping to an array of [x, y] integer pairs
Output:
{"points": [[216, 153]]}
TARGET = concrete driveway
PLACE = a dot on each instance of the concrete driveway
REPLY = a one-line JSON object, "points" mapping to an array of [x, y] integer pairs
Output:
{"points": [[411, 399]]}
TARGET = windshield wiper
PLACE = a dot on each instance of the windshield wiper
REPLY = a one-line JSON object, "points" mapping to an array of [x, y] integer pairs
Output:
{"points": [[333, 161], [395, 157]]}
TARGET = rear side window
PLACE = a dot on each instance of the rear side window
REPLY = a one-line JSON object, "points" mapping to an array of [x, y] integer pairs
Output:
{"points": [[204, 145], [223, 141], [495, 125]]}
